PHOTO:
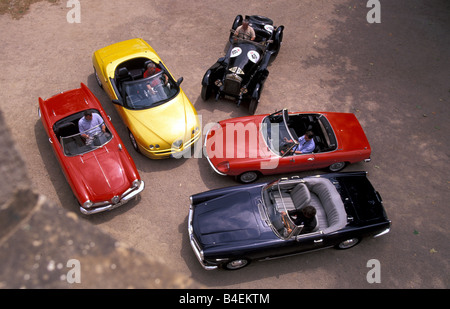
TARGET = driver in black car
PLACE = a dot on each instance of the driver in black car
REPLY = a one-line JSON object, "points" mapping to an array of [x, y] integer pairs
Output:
{"points": [[245, 31]]}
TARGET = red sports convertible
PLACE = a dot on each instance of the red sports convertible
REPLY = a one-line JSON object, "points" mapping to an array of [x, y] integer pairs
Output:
{"points": [[247, 147], [95, 162]]}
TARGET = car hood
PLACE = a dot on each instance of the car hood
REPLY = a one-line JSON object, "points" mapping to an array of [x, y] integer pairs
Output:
{"points": [[165, 123], [237, 140], [102, 174], [230, 218], [244, 56]]}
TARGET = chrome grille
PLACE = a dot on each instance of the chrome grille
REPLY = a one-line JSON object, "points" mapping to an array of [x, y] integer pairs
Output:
{"points": [[232, 84]]}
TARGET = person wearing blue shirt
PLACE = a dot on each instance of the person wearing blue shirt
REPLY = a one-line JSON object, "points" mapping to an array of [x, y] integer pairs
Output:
{"points": [[305, 143], [91, 124]]}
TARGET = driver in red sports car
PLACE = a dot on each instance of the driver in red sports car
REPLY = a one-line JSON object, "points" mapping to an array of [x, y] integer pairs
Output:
{"points": [[305, 143]]}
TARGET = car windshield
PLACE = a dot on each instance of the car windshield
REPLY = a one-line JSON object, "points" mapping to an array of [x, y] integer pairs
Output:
{"points": [[149, 92], [85, 141], [274, 211], [277, 135]]}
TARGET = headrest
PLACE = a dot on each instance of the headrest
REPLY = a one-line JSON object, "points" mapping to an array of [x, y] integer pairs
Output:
{"points": [[300, 196]]}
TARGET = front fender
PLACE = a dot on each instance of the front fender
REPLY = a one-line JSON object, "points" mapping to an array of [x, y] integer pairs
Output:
{"points": [[206, 78]]}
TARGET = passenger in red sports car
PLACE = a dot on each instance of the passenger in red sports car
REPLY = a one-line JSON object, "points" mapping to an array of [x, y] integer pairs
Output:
{"points": [[245, 31]]}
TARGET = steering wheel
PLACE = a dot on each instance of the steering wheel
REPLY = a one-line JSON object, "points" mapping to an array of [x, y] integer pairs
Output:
{"points": [[285, 147]]}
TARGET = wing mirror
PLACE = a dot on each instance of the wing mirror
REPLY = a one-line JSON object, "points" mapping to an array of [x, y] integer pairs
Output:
{"points": [[179, 81]]}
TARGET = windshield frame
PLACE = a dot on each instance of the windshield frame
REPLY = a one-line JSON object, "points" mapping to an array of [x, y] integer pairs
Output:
{"points": [[98, 140], [273, 214], [136, 91], [285, 132]]}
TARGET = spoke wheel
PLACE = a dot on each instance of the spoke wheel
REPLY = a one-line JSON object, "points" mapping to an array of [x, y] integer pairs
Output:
{"points": [[347, 244], [98, 79], [252, 106], [336, 167], [133, 141], [236, 264], [248, 177], [206, 92]]}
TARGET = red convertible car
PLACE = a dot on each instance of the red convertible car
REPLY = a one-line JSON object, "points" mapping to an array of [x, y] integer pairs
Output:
{"points": [[247, 147], [95, 162]]}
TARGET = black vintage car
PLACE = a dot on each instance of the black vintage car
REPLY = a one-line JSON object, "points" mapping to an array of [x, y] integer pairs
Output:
{"points": [[241, 74], [233, 226]]}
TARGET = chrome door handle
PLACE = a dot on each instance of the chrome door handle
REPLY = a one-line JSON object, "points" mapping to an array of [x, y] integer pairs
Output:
{"points": [[318, 241], [311, 159]]}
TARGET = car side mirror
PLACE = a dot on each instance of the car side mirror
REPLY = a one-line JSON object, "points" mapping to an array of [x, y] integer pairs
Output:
{"points": [[179, 81], [117, 102]]}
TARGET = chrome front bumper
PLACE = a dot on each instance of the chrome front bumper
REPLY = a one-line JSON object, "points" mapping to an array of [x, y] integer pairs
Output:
{"points": [[195, 247], [126, 196], [206, 155]]}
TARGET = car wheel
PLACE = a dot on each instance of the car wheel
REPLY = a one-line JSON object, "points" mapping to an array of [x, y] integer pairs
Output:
{"points": [[236, 264], [248, 177], [99, 82], [336, 167], [347, 244], [252, 106], [206, 92], [133, 141], [277, 41]]}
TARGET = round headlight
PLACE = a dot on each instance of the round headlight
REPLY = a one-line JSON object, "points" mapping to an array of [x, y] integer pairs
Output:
{"points": [[87, 204], [136, 183]]}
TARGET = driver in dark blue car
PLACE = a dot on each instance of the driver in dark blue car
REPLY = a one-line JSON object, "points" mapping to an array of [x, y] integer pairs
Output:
{"points": [[305, 216]]}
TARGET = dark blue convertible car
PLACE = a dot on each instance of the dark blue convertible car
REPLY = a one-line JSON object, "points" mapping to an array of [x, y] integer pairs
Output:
{"points": [[230, 227]]}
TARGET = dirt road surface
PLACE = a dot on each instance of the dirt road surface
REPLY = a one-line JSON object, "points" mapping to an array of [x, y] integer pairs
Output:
{"points": [[393, 75]]}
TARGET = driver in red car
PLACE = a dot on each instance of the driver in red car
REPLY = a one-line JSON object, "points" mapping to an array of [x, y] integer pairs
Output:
{"points": [[305, 143], [91, 124]]}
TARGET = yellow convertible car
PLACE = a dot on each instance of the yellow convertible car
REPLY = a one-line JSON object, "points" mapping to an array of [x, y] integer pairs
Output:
{"points": [[160, 119]]}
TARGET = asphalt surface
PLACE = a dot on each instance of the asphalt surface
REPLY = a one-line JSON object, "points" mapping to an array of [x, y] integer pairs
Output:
{"points": [[393, 75]]}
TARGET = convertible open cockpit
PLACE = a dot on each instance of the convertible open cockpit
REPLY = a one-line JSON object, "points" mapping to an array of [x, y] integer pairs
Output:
{"points": [[286, 195], [71, 139]]}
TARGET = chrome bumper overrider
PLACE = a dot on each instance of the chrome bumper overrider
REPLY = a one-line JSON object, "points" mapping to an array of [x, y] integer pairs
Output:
{"points": [[195, 247], [124, 198], [382, 233], [206, 155]]}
